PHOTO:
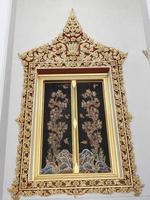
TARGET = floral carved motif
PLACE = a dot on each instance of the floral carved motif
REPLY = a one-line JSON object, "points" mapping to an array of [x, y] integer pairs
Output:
{"points": [[92, 127], [73, 48], [57, 161]]}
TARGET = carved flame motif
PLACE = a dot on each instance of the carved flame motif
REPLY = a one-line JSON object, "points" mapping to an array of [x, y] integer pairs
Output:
{"points": [[72, 49]]}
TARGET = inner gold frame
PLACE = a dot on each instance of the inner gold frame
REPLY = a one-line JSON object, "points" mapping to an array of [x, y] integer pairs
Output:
{"points": [[116, 171]]}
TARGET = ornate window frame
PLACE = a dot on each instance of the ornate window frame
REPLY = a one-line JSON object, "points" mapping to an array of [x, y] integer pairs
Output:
{"points": [[73, 49], [100, 74]]}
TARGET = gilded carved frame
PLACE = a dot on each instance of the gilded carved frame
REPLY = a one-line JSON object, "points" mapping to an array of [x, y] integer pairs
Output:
{"points": [[74, 49], [37, 134]]}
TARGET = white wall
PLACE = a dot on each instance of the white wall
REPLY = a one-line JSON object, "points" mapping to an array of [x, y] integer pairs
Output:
{"points": [[116, 23], [5, 12], [145, 6], [7, 20]]}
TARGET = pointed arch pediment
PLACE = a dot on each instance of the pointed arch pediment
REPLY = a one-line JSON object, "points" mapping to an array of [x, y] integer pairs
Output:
{"points": [[73, 48]]}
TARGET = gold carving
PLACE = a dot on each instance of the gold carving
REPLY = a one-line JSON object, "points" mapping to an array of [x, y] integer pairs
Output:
{"points": [[73, 48]]}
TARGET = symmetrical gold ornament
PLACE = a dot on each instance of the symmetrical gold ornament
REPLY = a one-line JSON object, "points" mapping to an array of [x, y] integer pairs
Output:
{"points": [[73, 48]]}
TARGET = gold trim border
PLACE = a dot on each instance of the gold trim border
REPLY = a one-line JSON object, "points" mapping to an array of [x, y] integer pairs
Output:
{"points": [[110, 122]]}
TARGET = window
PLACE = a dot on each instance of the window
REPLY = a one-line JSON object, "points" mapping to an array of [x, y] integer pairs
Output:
{"points": [[75, 130], [73, 94]]}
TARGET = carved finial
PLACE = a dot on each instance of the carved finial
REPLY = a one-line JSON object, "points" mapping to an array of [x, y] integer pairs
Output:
{"points": [[72, 13], [72, 27]]}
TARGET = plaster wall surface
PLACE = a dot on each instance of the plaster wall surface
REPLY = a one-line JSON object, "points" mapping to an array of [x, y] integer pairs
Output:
{"points": [[113, 23]]}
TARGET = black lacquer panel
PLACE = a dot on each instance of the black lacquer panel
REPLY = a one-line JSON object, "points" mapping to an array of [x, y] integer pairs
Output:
{"points": [[57, 131], [93, 144]]}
